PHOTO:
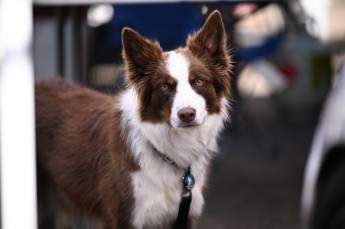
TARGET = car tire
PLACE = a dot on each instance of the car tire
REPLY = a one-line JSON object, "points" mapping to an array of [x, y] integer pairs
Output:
{"points": [[330, 207]]}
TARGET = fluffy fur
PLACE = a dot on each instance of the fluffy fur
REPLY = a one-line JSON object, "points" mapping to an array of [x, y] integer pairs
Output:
{"points": [[100, 152]]}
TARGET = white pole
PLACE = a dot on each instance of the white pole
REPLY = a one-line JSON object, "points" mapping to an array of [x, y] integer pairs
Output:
{"points": [[17, 126]]}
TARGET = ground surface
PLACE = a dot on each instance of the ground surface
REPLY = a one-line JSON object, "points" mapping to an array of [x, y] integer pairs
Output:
{"points": [[257, 178]]}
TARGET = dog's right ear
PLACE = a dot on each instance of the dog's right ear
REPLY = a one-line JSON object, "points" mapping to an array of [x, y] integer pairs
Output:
{"points": [[141, 55]]}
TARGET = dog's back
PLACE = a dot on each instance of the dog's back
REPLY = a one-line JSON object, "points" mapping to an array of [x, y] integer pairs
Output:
{"points": [[77, 135]]}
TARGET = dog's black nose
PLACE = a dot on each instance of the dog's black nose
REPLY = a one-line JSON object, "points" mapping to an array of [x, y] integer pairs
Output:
{"points": [[186, 114]]}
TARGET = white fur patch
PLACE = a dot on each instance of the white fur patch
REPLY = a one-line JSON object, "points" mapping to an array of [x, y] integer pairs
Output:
{"points": [[157, 185], [178, 68]]}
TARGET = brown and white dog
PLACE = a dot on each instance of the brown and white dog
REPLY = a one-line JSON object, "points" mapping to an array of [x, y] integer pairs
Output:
{"points": [[104, 153]]}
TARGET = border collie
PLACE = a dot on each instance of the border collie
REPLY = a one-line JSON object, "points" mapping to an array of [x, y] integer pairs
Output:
{"points": [[119, 160]]}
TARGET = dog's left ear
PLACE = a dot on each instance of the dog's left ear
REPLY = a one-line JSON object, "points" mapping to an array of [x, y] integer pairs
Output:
{"points": [[210, 40], [209, 44]]}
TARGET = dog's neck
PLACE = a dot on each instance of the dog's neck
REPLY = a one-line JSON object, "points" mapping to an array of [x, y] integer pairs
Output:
{"points": [[183, 147], [165, 158]]}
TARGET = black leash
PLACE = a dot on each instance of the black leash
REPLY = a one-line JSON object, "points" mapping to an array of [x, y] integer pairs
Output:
{"points": [[188, 182]]}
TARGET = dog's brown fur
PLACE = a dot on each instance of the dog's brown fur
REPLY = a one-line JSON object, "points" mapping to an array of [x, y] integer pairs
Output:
{"points": [[82, 145], [89, 166]]}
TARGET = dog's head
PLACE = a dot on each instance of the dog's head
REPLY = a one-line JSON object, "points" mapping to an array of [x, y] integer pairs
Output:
{"points": [[181, 87]]}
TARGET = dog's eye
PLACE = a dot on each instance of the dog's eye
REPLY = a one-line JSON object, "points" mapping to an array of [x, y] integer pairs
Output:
{"points": [[163, 87], [199, 82]]}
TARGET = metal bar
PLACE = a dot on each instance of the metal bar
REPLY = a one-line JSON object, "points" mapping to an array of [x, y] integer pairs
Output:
{"points": [[76, 43], [60, 38]]}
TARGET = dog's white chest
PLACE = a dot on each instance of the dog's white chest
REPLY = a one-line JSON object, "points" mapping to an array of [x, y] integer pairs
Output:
{"points": [[157, 193]]}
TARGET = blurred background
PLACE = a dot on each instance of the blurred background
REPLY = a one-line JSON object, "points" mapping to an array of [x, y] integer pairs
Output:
{"points": [[287, 56]]}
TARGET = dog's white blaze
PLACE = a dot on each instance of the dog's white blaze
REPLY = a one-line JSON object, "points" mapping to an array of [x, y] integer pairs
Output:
{"points": [[178, 67]]}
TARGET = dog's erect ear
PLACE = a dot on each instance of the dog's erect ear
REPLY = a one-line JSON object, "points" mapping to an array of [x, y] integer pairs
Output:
{"points": [[210, 40], [209, 45], [140, 55]]}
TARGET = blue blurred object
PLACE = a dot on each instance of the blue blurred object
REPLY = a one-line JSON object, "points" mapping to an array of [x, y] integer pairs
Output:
{"points": [[271, 45], [170, 23]]}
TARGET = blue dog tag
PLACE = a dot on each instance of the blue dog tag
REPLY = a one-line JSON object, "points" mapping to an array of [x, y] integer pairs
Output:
{"points": [[188, 182]]}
